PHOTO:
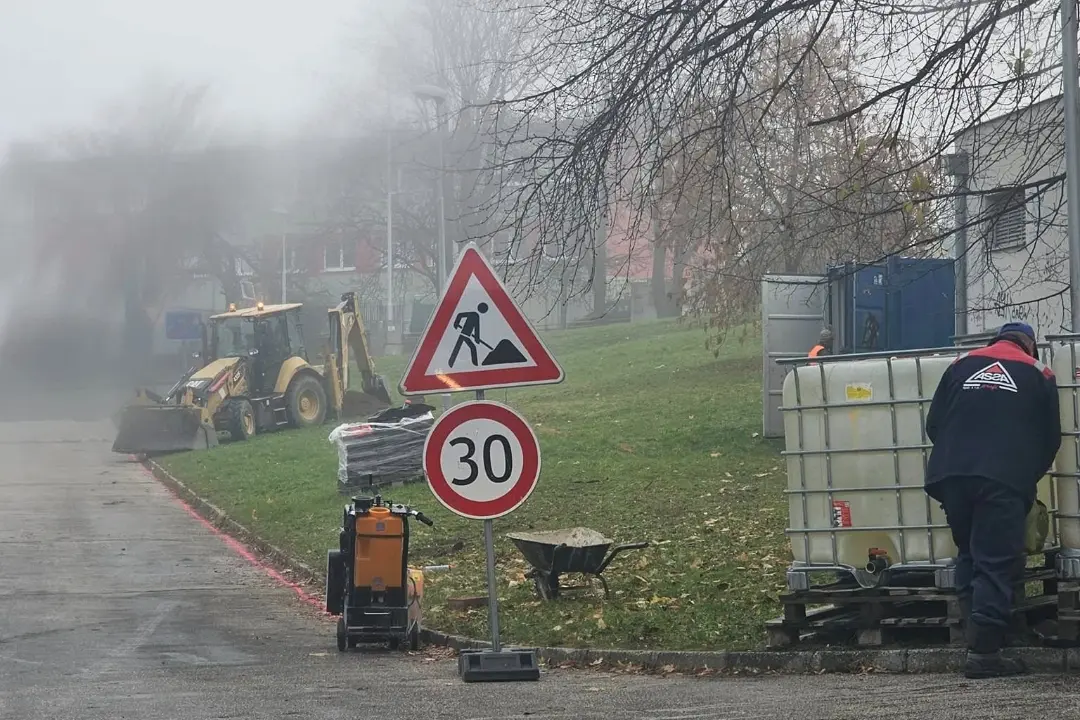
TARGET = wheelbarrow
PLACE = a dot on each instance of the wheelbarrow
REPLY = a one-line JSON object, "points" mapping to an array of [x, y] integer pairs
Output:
{"points": [[574, 550]]}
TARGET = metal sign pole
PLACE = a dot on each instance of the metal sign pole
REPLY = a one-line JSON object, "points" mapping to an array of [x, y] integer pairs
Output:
{"points": [[493, 590], [493, 595]]}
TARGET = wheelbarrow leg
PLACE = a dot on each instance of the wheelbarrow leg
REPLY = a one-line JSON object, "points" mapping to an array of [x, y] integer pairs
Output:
{"points": [[603, 584], [546, 584]]}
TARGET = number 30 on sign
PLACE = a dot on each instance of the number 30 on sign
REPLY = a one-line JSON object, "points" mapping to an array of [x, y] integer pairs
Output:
{"points": [[481, 459]]}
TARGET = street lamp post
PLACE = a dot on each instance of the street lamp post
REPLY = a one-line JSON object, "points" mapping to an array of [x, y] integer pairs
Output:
{"points": [[389, 232], [283, 213], [439, 97]]}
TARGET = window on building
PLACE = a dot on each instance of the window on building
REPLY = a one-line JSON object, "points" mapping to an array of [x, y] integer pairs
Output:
{"points": [[1006, 216], [339, 255]]}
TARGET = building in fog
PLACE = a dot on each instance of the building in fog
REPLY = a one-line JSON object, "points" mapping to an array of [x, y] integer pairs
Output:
{"points": [[1015, 231]]}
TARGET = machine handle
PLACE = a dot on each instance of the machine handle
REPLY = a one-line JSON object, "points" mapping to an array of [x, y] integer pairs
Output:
{"points": [[424, 519]]}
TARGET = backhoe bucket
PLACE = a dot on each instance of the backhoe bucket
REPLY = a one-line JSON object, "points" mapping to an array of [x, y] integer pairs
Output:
{"points": [[373, 399], [146, 429]]}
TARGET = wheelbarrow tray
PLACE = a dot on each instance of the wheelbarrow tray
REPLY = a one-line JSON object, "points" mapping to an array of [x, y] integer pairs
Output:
{"points": [[577, 550], [553, 553]]}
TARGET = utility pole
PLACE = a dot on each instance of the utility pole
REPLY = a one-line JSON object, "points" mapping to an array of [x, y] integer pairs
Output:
{"points": [[1070, 91]]}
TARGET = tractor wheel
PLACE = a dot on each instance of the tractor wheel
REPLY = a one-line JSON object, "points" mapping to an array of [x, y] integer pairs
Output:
{"points": [[241, 423], [306, 401]]}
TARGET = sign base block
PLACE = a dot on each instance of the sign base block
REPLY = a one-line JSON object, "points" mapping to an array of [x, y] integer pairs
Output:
{"points": [[504, 666]]}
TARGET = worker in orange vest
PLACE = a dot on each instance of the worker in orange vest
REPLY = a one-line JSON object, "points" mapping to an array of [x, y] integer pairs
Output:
{"points": [[824, 346]]}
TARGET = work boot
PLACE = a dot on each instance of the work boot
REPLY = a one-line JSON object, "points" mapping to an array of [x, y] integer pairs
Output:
{"points": [[980, 666], [984, 658]]}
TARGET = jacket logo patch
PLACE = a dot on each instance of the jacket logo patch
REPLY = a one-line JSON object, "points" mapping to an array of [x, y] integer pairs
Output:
{"points": [[993, 376]]}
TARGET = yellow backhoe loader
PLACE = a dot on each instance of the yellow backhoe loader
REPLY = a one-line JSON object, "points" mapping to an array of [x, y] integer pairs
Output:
{"points": [[254, 375]]}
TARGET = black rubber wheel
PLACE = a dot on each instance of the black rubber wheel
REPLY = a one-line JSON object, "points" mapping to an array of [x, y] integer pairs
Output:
{"points": [[335, 583], [342, 639], [414, 638], [241, 422], [305, 401]]}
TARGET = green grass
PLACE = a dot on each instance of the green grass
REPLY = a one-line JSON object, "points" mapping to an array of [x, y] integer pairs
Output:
{"points": [[650, 437]]}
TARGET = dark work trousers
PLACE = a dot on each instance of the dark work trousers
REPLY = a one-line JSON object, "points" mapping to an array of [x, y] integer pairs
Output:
{"points": [[988, 521]]}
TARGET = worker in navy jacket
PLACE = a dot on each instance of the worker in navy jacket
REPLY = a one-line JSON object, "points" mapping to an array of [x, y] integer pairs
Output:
{"points": [[995, 428]]}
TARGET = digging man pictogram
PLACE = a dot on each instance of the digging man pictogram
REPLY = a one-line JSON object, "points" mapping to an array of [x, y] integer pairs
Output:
{"points": [[467, 323]]}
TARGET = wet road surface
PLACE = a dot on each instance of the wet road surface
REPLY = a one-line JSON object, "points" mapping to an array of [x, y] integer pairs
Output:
{"points": [[116, 603]]}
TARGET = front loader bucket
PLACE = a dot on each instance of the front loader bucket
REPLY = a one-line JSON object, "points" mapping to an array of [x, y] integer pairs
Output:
{"points": [[149, 429]]}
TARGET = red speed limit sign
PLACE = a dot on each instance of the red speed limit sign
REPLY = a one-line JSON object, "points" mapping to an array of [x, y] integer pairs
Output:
{"points": [[481, 460]]}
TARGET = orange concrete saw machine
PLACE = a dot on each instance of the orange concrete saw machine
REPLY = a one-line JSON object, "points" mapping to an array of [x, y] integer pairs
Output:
{"points": [[369, 583]]}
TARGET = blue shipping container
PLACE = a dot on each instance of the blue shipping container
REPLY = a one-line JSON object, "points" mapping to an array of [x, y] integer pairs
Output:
{"points": [[900, 304], [921, 307]]}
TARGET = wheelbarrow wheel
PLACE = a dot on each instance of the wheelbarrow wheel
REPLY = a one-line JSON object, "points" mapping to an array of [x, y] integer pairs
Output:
{"points": [[414, 639], [342, 636]]}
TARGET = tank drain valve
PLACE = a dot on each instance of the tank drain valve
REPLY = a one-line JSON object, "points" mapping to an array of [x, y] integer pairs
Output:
{"points": [[878, 561]]}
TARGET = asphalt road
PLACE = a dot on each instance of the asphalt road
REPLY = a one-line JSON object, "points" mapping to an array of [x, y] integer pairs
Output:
{"points": [[116, 603]]}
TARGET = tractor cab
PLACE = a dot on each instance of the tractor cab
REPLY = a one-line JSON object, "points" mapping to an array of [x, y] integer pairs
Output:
{"points": [[267, 335]]}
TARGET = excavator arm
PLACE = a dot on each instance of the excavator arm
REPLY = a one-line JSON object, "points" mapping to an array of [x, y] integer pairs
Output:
{"points": [[348, 338]]}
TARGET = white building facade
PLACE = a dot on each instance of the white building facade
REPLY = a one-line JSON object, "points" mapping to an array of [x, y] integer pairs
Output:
{"points": [[1015, 231]]}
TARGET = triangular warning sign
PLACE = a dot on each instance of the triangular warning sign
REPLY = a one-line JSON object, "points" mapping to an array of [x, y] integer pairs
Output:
{"points": [[993, 375], [477, 338]]}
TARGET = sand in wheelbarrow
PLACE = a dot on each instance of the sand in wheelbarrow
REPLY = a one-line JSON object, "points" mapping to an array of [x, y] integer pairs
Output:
{"points": [[571, 537]]}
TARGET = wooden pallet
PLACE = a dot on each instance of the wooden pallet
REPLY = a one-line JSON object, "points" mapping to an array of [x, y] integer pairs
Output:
{"points": [[872, 617]]}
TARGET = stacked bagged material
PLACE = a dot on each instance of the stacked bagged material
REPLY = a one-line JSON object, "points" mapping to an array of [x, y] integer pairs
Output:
{"points": [[386, 449]]}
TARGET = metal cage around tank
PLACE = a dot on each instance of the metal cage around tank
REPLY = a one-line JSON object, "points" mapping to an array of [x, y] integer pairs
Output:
{"points": [[919, 521], [1063, 357]]}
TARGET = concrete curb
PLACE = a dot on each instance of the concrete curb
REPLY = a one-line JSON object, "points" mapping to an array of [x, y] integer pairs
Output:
{"points": [[905, 661]]}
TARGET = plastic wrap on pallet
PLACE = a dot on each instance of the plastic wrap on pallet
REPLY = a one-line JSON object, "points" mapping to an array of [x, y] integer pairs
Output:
{"points": [[375, 453]]}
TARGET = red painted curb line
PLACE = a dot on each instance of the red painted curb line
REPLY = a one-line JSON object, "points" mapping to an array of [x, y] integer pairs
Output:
{"points": [[238, 547]]}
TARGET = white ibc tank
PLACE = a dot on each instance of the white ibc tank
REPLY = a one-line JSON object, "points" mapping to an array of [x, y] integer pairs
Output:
{"points": [[856, 450], [1065, 361]]}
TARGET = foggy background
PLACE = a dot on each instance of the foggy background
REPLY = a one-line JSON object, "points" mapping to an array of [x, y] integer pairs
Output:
{"points": [[270, 63], [616, 160], [266, 73]]}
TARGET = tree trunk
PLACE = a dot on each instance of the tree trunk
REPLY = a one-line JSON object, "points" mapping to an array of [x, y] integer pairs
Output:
{"points": [[678, 277], [659, 279], [599, 269]]}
